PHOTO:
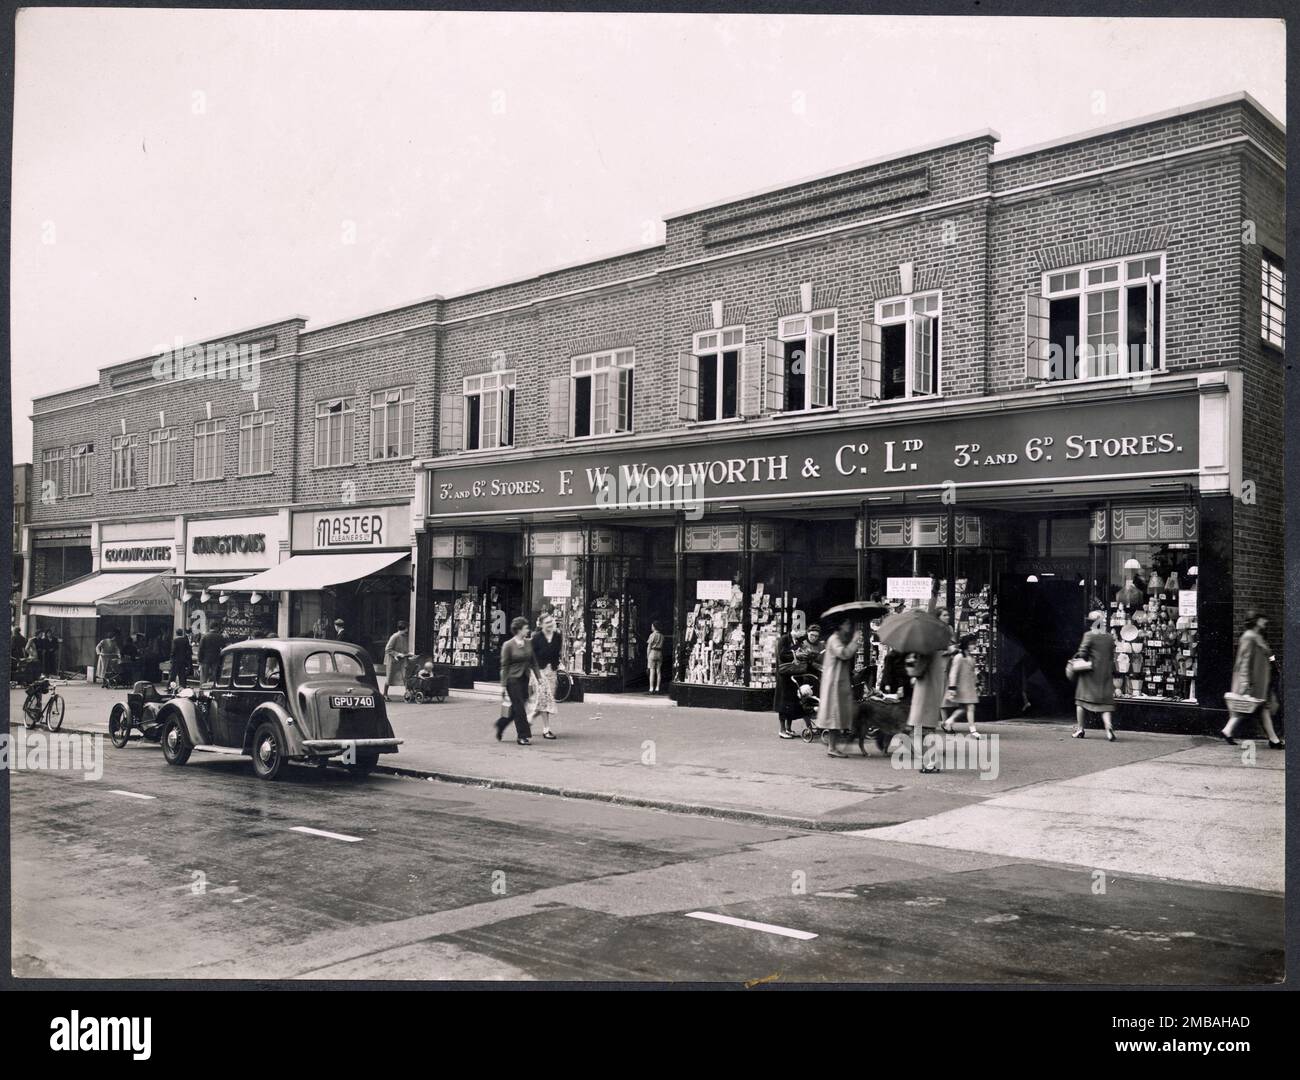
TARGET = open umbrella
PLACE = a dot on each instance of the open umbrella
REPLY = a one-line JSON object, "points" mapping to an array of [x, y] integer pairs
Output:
{"points": [[868, 609], [915, 631]]}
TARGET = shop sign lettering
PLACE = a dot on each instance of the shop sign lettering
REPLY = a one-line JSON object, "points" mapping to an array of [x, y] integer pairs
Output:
{"points": [[234, 544], [1127, 437], [349, 530], [150, 555]]}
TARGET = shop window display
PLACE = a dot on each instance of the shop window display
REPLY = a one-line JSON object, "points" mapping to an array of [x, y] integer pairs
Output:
{"points": [[1153, 620]]}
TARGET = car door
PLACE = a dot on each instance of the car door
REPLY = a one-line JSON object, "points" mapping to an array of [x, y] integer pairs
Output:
{"points": [[241, 698]]}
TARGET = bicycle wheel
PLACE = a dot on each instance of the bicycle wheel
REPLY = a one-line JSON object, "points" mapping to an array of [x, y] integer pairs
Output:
{"points": [[54, 713], [31, 713]]}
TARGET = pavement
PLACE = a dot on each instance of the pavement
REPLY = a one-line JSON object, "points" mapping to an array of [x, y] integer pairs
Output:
{"points": [[1179, 807]]}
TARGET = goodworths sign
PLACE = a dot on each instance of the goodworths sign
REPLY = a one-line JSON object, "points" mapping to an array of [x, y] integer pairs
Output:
{"points": [[137, 555], [1143, 435]]}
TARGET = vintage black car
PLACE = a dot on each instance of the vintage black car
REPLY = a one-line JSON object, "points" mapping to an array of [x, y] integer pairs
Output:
{"points": [[279, 700]]}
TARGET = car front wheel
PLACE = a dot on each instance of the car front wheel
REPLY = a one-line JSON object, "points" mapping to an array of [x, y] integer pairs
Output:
{"points": [[175, 743], [268, 751]]}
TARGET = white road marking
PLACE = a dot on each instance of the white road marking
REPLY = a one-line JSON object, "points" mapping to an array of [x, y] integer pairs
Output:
{"points": [[328, 835], [746, 924], [838, 895], [130, 794]]}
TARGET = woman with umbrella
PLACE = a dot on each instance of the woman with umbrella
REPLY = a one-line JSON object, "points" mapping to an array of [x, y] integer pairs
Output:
{"points": [[922, 638], [838, 711]]}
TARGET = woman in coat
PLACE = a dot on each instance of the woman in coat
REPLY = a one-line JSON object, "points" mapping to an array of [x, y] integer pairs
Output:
{"points": [[1094, 689], [786, 697], [962, 696], [517, 664], [395, 651], [929, 672], [108, 656], [548, 649], [838, 711], [1252, 676]]}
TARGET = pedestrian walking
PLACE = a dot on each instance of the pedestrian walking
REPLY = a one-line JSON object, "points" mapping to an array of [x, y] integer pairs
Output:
{"points": [[339, 632], [182, 659], [929, 674], [962, 694], [654, 656], [517, 664], [548, 645], [813, 650], [1252, 676], [50, 653], [1093, 669], [210, 646], [837, 711], [395, 651], [322, 628]]}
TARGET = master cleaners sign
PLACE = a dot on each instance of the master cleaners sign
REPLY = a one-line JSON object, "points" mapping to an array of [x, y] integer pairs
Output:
{"points": [[1147, 435]]}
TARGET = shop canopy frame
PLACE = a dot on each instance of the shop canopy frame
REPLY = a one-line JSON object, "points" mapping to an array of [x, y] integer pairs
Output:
{"points": [[94, 595], [310, 573]]}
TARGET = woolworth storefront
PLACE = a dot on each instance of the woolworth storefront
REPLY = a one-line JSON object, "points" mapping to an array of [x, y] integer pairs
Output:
{"points": [[1023, 512]]}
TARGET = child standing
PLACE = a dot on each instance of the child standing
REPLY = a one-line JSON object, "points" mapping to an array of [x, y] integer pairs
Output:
{"points": [[962, 694], [654, 654]]}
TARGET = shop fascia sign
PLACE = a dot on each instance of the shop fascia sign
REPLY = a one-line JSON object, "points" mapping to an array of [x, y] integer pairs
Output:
{"points": [[350, 529], [232, 543], [1151, 435], [137, 555]]}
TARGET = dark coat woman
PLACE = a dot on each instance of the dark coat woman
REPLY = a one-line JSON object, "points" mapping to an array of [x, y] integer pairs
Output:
{"points": [[1094, 689], [182, 659], [786, 697], [1252, 675], [517, 664]]}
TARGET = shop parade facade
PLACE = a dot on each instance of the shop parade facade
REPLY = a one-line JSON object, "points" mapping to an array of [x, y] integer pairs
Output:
{"points": [[1033, 383]]}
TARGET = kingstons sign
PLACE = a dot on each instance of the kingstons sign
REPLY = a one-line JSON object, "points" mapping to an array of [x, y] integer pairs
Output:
{"points": [[1152, 435], [233, 544]]}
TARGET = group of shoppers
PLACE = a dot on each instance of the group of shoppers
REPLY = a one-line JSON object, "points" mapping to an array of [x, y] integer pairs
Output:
{"points": [[530, 666]]}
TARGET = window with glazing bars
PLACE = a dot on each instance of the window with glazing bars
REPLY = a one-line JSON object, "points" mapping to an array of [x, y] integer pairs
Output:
{"points": [[334, 426], [256, 442], [392, 423]]}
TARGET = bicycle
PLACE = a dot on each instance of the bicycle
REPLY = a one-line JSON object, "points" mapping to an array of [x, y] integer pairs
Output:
{"points": [[50, 713]]}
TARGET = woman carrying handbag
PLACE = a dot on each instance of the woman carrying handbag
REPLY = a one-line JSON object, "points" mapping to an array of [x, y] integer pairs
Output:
{"points": [[1252, 677], [1092, 670]]}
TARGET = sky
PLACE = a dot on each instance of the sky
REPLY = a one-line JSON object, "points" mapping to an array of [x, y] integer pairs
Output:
{"points": [[193, 173]]}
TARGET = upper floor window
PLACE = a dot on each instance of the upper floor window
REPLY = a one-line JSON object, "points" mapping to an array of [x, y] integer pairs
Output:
{"points": [[392, 423], [209, 446], [1097, 320], [1273, 298], [256, 443], [489, 402], [123, 474], [904, 342], [52, 473], [599, 393], [334, 426], [801, 363], [711, 375], [81, 478], [162, 457]]}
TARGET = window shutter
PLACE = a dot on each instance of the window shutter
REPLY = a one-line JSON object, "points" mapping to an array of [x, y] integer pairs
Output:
{"points": [[819, 367], [688, 386], [869, 359], [451, 417], [922, 354], [774, 375], [751, 380], [559, 407], [1037, 337]]}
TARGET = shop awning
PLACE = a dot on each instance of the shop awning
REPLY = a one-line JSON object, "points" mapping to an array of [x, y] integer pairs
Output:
{"points": [[153, 596], [80, 600], [307, 573]]}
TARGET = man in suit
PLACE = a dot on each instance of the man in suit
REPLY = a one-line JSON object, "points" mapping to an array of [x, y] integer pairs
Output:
{"points": [[182, 659], [210, 646]]}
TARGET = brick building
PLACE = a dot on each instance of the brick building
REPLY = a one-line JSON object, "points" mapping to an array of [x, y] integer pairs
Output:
{"points": [[1017, 377]]}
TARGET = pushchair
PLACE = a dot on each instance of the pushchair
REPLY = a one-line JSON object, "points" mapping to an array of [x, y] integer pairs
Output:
{"points": [[806, 688], [867, 724], [421, 686], [118, 674]]}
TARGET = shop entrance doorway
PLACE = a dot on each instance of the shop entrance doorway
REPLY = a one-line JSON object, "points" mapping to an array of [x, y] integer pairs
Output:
{"points": [[503, 600], [1041, 624]]}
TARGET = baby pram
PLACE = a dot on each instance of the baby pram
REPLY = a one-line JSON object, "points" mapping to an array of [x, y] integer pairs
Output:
{"points": [[869, 722], [421, 686]]}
